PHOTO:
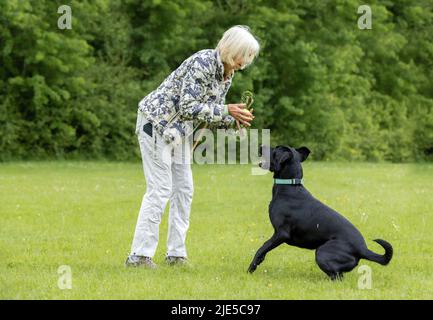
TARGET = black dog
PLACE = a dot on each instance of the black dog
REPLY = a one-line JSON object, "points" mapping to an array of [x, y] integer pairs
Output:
{"points": [[301, 220]]}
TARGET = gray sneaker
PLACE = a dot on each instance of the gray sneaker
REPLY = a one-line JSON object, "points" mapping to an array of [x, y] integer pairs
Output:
{"points": [[171, 260], [138, 261]]}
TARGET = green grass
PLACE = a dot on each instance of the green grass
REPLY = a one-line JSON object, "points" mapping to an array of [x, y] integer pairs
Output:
{"points": [[83, 214]]}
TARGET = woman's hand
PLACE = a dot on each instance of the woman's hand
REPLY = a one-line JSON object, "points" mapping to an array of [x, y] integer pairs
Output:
{"points": [[241, 115]]}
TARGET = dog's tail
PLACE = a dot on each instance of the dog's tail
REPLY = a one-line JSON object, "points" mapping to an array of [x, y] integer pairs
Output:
{"points": [[382, 259]]}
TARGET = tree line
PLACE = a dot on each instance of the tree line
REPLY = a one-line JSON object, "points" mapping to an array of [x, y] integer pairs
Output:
{"points": [[320, 80]]}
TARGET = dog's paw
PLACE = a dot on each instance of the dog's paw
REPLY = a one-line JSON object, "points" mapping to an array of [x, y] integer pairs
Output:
{"points": [[337, 277], [252, 268]]}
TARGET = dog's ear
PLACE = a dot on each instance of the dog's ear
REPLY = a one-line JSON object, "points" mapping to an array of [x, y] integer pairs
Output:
{"points": [[281, 158], [303, 152]]}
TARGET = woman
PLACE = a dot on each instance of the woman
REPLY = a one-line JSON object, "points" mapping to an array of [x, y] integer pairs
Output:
{"points": [[196, 90]]}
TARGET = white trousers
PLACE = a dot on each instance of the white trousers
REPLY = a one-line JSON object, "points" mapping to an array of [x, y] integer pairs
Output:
{"points": [[168, 176]]}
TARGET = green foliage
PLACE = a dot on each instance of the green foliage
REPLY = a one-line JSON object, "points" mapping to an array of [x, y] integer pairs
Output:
{"points": [[319, 80]]}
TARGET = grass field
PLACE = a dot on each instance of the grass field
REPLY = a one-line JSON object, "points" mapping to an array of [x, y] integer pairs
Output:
{"points": [[83, 214]]}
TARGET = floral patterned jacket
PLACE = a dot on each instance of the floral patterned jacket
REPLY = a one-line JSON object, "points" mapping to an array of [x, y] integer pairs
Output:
{"points": [[196, 90]]}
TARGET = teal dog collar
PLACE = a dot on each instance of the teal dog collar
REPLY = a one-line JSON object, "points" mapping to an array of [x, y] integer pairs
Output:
{"points": [[289, 181]]}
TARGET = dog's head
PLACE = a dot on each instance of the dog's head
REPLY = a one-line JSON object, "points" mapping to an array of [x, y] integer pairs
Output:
{"points": [[284, 162]]}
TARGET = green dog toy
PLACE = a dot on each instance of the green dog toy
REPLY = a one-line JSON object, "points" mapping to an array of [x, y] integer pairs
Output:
{"points": [[248, 98]]}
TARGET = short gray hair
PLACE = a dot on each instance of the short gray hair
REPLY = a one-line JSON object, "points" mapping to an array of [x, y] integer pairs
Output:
{"points": [[238, 41]]}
